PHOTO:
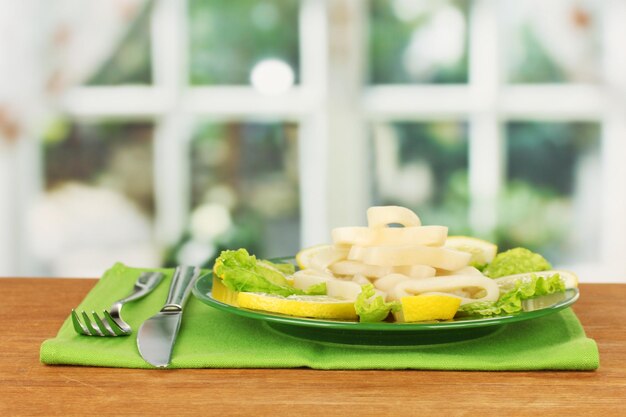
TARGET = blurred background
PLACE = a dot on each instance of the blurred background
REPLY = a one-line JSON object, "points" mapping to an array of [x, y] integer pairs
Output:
{"points": [[161, 132]]}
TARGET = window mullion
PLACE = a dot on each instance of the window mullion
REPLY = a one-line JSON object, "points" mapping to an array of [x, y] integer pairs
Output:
{"points": [[173, 130], [8, 208], [486, 150], [613, 140], [333, 148], [348, 143], [313, 138]]}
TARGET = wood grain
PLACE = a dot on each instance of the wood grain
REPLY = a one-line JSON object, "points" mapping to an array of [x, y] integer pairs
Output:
{"points": [[33, 309]]}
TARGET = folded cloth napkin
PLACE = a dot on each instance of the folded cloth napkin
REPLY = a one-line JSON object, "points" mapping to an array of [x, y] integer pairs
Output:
{"points": [[214, 339]]}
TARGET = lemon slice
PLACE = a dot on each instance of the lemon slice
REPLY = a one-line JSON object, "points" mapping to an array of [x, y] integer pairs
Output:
{"points": [[320, 256], [222, 293], [482, 251], [507, 283], [315, 306], [427, 308], [305, 257]]}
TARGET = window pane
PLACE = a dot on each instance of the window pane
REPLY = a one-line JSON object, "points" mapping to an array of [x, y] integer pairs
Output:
{"points": [[552, 199], [99, 201], [555, 41], [418, 41], [130, 63], [248, 173], [423, 166], [230, 38]]}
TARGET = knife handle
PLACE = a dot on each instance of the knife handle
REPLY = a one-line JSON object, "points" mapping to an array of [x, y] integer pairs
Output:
{"points": [[180, 288]]}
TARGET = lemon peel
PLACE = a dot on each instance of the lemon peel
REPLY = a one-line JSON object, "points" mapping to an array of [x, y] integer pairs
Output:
{"points": [[319, 306], [481, 250], [427, 308]]}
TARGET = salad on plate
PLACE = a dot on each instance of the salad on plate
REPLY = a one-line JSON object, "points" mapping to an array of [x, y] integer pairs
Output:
{"points": [[395, 270]]}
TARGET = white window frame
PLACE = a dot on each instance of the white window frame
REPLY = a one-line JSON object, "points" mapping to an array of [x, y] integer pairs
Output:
{"points": [[333, 106]]}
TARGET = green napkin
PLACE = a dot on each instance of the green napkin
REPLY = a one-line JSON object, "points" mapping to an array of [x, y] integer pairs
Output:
{"points": [[213, 339]]}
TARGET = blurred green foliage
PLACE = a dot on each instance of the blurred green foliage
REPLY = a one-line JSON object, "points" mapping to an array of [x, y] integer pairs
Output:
{"points": [[443, 147], [545, 154], [538, 66], [533, 217], [252, 169], [246, 233], [114, 154], [389, 38], [227, 38], [131, 61], [535, 206]]}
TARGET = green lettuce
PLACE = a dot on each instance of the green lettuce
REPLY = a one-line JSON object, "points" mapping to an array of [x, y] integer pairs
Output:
{"points": [[286, 269], [511, 301], [516, 261], [317, 289], [373, 309], [241, 271]]}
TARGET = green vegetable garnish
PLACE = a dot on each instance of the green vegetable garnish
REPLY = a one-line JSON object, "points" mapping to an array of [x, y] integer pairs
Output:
{"points": [[511, 301], [317, 289], [373, 309], [285, 269], [241, 271], [516, 261]]}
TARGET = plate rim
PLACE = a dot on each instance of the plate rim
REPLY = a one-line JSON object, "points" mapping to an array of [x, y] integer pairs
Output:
{"points": [[207, 298]]}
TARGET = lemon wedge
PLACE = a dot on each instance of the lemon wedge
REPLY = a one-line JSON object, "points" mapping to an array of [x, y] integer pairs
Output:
{"points": [[482, 251], [320, 256], [317, 306], [222, 293], [427, 308]]}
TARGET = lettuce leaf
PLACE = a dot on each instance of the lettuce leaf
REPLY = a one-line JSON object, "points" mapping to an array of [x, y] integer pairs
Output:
{"points": [[241, 271], [317, 289], [511, 301], [286, 268], [515, 261], [373, 309]]}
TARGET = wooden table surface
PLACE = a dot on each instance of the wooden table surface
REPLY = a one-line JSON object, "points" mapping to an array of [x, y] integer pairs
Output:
{"points": [[32, 310]]}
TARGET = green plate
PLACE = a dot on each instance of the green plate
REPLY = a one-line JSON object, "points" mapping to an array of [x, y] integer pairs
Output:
{"points": [[387, 333]]}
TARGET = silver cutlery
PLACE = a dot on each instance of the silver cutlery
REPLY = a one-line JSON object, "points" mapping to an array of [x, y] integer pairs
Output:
{"points": [[112, 324], [157, 335]]}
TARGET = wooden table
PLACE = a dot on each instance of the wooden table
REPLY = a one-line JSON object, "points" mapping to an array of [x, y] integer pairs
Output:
{"points": [[32, 310]]}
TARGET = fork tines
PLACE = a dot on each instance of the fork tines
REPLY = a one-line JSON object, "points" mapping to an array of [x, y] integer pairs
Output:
{"points": [[97, 327]]}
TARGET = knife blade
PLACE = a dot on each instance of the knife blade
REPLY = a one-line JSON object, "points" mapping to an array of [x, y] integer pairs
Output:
{"points": [[157, 335]]}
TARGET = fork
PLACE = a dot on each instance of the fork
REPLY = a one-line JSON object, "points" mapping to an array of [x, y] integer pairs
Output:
{"points": [[112, 324]]}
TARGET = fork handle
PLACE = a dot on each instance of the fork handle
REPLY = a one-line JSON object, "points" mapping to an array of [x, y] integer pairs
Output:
{"points": [[180, 288], [146, 282]]}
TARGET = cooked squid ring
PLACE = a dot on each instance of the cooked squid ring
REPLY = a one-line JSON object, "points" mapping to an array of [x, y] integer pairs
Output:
{"points": [[351, 268], [389, 282], [368, 236], [446, 285], [385, 215], [437, 257]]}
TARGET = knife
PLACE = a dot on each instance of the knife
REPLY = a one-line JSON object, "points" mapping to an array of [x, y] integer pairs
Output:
{"points": [[157, 335]]}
